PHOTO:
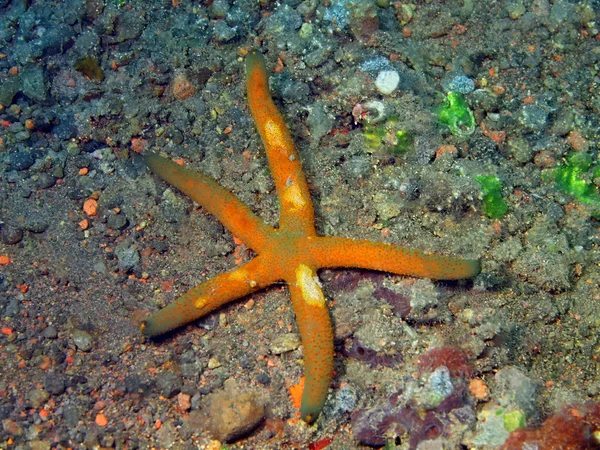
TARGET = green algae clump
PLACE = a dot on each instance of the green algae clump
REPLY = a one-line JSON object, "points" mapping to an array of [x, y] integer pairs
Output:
{"points": [[574, 177], [456, 114], [494, 205], [388, 136]]}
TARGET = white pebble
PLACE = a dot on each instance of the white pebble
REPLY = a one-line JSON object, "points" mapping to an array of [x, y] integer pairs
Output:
{"points": [[387, 81]]}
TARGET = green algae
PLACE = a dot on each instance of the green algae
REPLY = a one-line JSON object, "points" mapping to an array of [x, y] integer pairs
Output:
{"points": [[494, 205], [389, 136], [456, 114], [576, 177]]}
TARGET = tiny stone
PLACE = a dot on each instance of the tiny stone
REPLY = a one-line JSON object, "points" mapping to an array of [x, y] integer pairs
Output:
{"points": [[71, 415], [387, 81], [36, 225], [83, 340], [233, 414], [55, 383], [50, 332], [128, 257], [285, 343], [117, 221], [38, 397], [45, 181], [213, 363], [169, 384], [11, 235]]}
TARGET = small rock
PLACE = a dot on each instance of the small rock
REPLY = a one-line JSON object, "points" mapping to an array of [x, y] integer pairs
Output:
{"points": [[233, 414], [50, 332], [38, 397], [117, 221], [20, 160], [387, 81], [128, 257], [71, 415], [223, 32], [35, 225], [82, 340], [285, 343], [45, 181], [55, 383], [11, 235], [33, 80], [169, 383]]}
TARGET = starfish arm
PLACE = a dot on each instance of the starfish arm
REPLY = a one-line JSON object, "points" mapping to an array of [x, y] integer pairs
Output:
{"points": [[225, 206], [316, 332], [292, 189], [363, 254], [210, 295]]}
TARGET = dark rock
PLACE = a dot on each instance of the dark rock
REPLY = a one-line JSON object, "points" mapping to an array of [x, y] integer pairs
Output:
{"points": [[8, 89], [133, 384], [11, 235], [50, 332], [55, 383], [20, 160], [36, 225], [45, 181], [33, 79], [169, 384], [117, 221], [71, 415]]}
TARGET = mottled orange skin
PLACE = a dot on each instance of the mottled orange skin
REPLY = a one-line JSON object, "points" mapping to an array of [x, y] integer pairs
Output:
{"points": [[293, 252]]}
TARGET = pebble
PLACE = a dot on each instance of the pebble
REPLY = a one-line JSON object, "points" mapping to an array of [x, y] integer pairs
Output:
{"points": [[45, 181], [128, 257], [11, 235], [233, 414], [55, 383], [38, 397], [20, 160], [117, 221], [387, 81], [462, 84], [285, 343], [36, 225], [50, 332], [71, 415], [169, 383], [82, 340]]}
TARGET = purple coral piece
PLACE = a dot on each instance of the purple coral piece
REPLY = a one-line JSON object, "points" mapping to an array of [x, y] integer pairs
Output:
{"points": [[400, 303], [369, 356]]}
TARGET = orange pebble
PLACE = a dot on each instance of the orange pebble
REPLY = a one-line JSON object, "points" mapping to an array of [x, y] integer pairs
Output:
{"points": [[138, 144], [577, 141], [4, 260], [83, 171], [443, 149], [13, 70], [478, 388], [44, 413], [84, 224], [90, 207], [7, 331], [182, 88], [101, 420]]}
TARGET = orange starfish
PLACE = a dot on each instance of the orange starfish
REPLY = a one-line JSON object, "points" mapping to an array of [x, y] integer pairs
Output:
{"points": [[293, 252]]}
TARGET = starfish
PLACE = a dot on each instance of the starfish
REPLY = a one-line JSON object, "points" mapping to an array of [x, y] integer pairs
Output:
{"points": [[293, 252]]}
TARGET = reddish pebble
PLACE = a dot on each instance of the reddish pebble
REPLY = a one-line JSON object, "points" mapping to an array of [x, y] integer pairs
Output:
{"points": [[182, 88], [101, 420], [90, 207]]}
